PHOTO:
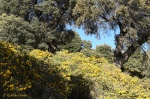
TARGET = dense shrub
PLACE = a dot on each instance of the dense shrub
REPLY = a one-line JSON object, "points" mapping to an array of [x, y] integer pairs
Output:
{"points": [[64, 75], [22, 74], [105, 80]]}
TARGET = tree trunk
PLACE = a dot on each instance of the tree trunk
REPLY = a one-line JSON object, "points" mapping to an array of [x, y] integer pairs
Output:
{"points": [[121, 57]]}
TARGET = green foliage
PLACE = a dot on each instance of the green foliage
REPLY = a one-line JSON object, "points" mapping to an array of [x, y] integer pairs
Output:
{"points": [[90, 52], [105, 51], [147, 63], [74, 46], [138, 64], [30, 35], [41, 74], [105, 79], [86, 44], [85, 74], [90, 13], [109, 14], [16, 30], [19, 8], [131, 17], [87, 49], [82, 75], [37, 25], [42, 24]]}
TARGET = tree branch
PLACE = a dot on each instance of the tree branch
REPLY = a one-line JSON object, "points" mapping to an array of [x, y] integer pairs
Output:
{"points": [[121, 58], [144, 38]]}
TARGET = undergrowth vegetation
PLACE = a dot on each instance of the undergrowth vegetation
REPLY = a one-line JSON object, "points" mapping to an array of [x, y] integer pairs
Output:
{"points": [[43, 75]]}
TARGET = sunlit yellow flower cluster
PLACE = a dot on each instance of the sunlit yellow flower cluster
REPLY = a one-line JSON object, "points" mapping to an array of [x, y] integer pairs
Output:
{"points": [[40, 54], [14, 69]]}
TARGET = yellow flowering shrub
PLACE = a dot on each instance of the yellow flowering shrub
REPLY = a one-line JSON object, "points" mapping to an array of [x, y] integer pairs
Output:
{"points": [[108, 80], [40, 54], [25, 74], [117, 85], [66, 75], [10, 68]]}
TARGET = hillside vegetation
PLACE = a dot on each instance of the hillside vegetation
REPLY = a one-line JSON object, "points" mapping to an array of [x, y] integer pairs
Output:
{"points": [[43, 75]]}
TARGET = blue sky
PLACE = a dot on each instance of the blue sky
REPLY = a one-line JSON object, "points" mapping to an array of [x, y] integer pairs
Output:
{"points": [[104, 39]]}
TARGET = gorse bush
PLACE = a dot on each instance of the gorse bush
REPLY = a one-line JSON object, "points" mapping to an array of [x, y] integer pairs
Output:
{"points": [[23, 74], [43, 75], [106, 80]]}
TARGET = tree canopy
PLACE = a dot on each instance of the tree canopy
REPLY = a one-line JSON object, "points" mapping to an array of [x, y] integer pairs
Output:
{"points": [[131, 17], [45, 22]]}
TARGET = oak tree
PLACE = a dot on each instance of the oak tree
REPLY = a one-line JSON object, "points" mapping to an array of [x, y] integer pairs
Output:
{"points": [[131, 17]]}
